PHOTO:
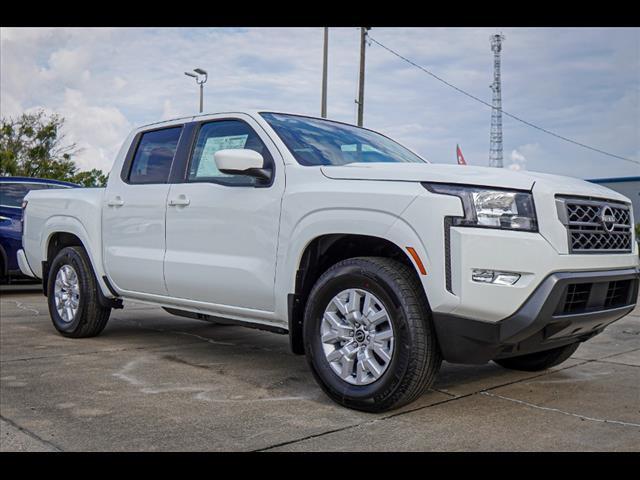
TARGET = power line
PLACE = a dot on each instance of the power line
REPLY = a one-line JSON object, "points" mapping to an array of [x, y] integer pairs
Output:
{"points": [[491, 106]]}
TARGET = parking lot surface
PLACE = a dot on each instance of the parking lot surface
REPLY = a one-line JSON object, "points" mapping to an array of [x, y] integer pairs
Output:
{"points": [[153, 381]]}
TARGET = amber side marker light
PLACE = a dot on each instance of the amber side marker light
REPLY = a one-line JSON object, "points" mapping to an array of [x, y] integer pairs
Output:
{"points": [[416, 259]]}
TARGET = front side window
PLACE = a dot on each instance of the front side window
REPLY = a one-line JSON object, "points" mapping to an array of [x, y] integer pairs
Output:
{"points": [[222, 135], [313, 142], [154, 155]]}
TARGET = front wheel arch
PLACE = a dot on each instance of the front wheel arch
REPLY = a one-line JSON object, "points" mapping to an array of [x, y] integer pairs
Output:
{"points": [[322, 253]]}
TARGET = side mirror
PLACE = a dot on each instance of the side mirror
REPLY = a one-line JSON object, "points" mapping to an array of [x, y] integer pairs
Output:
{"points": [[242, 162]]}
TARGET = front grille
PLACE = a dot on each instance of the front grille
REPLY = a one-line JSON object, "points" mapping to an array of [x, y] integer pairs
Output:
{"points": [[596, 226]]}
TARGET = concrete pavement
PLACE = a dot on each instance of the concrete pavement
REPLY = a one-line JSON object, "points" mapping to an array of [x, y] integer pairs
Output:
{"points": [[153, 381]]}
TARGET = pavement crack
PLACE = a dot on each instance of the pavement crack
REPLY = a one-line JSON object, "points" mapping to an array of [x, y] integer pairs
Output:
{"points": [[404, 412], [355, 425], [557, 410], [31, 434], [444, 392], [113, 350], [611, 362], [619, 353]]}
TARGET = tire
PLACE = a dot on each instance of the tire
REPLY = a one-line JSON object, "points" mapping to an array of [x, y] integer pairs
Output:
{"points": [[414, 358], [89, 318], [534, 362]]}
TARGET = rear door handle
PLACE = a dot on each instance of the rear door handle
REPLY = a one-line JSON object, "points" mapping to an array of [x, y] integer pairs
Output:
{"points": [[116, 202], [180, 201]]}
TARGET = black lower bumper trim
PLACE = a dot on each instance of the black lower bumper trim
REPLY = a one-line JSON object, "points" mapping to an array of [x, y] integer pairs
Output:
{"points": [[547, 319]]}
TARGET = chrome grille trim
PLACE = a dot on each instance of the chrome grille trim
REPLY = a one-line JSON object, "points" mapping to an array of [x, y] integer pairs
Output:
{"points": [[595, 225]]}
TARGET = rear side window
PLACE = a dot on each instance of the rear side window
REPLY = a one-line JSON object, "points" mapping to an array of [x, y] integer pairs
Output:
{"points": [[154, 155], [12, 194]]}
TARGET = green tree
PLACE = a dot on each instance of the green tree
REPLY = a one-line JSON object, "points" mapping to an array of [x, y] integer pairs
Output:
{"points": [[90, 178], [33, 145]]}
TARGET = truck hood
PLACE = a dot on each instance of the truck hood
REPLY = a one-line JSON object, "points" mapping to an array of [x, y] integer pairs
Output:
{"points": [[481, 176]]}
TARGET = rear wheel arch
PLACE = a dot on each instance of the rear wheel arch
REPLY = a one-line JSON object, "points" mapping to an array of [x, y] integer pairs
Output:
{"points": [[75, 301], [59, 240], [56, 242]]}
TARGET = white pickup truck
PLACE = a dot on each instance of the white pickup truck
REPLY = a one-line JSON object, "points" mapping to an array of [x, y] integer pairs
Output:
{"points": [[376, 263]]}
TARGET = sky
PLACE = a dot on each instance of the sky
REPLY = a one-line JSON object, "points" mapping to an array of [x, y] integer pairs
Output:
{"points": [[582, 83]]}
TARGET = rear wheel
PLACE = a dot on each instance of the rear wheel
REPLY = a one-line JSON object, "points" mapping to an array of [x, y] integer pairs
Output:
{"points": [[368, 334], [73, 296], [533, 362]]}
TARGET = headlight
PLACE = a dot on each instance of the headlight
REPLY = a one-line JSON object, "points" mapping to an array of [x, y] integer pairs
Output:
{"points": [[491, 207]]}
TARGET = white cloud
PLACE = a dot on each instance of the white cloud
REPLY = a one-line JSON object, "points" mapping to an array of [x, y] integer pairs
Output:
{"points": [[119, 83], [98, 131], [518, 161], [9, 105], [582, 83], [169, 111]]}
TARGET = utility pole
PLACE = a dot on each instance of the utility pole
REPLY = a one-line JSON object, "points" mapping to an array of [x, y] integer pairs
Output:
{"points": [[495, 137], [360, 101], [325, 59]]}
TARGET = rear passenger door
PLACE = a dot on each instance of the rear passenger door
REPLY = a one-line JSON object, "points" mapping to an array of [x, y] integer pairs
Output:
{"points": [[133, 222]]}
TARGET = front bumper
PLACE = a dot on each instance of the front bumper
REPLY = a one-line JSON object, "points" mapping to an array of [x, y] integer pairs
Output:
{"points": [[566, 307]]}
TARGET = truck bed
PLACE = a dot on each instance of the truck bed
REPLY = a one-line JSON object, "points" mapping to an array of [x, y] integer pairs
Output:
{"points": [[77, 210]]}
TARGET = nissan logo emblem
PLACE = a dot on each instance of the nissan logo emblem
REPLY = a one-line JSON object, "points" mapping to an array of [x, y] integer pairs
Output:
{"points": [[607, 218]]}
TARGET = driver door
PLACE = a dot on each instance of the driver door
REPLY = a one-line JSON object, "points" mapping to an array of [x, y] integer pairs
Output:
{"points": [[222, 230]]}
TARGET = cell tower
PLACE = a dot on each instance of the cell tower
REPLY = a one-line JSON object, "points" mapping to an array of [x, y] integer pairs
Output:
{"points": [[495, 147]]}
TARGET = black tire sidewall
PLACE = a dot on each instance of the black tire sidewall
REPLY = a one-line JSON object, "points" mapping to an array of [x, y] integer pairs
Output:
{"points": [[342, 278], [68, 256]]}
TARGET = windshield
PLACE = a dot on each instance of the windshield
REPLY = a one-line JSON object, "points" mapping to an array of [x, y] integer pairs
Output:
{"points": [[321, 142]]}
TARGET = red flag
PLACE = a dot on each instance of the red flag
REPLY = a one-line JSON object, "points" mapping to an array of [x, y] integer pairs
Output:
{"points": [[459, 155]]}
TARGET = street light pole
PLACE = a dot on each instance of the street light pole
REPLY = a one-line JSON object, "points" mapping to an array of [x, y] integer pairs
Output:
{"points": [[201, 78], [201, 94]]}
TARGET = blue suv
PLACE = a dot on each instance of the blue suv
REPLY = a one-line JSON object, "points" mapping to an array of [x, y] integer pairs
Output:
{"points": [[12, 192]]}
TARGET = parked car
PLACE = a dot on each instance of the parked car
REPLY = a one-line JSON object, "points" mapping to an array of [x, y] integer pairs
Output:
{"points": [[376, 263], [12, 192]]}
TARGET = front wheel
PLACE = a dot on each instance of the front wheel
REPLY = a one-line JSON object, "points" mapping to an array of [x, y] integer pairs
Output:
{"points": [[534, 362], [72, 294], [368, 334]]}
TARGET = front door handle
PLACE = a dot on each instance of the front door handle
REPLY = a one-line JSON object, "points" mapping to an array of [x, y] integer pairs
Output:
{"points": [[116, 202], [180, 201]]}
